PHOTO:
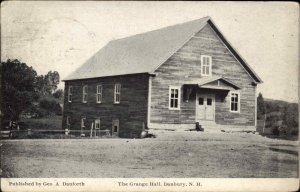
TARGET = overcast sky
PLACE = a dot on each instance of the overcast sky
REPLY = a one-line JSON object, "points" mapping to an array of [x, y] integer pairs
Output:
{"points": [[60, 36]]}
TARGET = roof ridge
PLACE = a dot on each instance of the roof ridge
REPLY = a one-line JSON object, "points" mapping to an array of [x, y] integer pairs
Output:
{"points": [[162, 28]]}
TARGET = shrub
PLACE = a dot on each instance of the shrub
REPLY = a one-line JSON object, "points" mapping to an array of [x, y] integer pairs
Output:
{"points": [[50, 106], [58, 93]]}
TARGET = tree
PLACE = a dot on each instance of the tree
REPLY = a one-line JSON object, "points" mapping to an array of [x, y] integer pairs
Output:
{"points": [[52, 80], [47, 84], [261, 107], [18, 88], [291, 118], [58, 93]]}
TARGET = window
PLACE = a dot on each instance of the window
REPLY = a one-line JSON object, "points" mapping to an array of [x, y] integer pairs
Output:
{"points": [[99, 94], [115, 127], [68, 122], [201, 101], [82, 125], [174, 98], [205, 65], [234, 102], [70, 94], [97, 127], [209, 101], [84, 94], [117, 95], [97, 124]]}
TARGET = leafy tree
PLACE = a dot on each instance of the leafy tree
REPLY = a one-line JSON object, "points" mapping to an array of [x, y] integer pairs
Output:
{"points": [[47, 84], [291, 118], [58, 93], [261, 107], [52, 80], [18, 88]]}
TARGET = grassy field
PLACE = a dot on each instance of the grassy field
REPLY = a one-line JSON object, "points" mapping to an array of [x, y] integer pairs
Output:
{"points": [[47, 123], [171, 154]]}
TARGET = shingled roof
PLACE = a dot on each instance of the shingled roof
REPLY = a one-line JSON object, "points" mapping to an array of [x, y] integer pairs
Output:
{"points": [[143, 53]]}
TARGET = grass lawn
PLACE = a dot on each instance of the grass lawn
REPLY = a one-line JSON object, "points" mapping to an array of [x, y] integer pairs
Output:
{"points": [[171, 154], [47, 123]]}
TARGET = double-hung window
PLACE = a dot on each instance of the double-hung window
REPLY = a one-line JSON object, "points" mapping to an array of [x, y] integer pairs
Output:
{"points": [[117, 93], [235, 101], [206, 65], [84, 94], [68, 122], [174, 98], [97, 124], [83, 124], [70, 94], [99, 94]]}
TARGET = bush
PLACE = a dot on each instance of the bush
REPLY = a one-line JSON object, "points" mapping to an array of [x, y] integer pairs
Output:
{"points": [[50, 106], [58, 93]]}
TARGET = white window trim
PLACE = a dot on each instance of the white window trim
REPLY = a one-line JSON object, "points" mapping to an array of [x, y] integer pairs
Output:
{"points": [[83, 119], [68, 122], [115, 93], [99, 93], [96, 123], [179, 97], [83, 101], [70, 94], [239, 101], [210, 66]]}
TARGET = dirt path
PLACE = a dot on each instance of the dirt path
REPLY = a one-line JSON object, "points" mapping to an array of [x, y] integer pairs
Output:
{"points": [[171, 154]]}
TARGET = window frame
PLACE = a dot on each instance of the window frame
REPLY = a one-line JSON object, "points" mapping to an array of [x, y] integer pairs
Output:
{"points": [[99, 93], [70, 94], [210, 65], [68, 122], [119, 93], [238, 103], [178, 99], [96, 122], [82, 124], [84, 93]]}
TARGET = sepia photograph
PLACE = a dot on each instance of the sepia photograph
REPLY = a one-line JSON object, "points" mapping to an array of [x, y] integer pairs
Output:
{"points": [[148, 96]]}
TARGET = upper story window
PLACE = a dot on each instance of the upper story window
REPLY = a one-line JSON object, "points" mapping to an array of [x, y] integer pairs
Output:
{"points": [[99, 94], [174, 98], [117, 95], [84, 94], [235, 101], [70, 94], [206, 65], [68, 122]]}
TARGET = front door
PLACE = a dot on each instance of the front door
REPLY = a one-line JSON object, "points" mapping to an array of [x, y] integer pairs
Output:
{"points": [[205, 107]]}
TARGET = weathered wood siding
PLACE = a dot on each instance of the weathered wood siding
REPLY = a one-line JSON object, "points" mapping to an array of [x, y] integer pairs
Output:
{"points": [[184, 66], [131, 112]]}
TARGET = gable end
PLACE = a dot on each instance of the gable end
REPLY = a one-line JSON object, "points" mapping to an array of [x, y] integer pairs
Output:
{"points": [[248, 69]]}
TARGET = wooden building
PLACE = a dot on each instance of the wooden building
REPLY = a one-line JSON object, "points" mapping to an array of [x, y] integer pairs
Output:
{"points": [[169, 78]]}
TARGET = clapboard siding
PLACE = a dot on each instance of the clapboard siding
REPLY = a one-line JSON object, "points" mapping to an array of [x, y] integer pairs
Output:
{"points": [[131, 112], [184, 66]]}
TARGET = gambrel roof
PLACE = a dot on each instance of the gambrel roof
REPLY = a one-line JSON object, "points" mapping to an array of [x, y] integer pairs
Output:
{"points": [[144, 53]]}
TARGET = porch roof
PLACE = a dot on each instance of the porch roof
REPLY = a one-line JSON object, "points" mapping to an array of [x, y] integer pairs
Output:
{"points": [[215, 82]]}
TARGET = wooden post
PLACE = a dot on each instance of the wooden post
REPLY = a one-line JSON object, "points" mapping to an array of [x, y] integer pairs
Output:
{"points": [[91, 134], [264, 123]]}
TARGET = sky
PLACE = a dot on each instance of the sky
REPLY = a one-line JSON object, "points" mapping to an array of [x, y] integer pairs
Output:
{"points": [[62, 35]]}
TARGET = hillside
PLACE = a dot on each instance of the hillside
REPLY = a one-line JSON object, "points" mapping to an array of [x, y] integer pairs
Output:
{"points": [[281, 118]]}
